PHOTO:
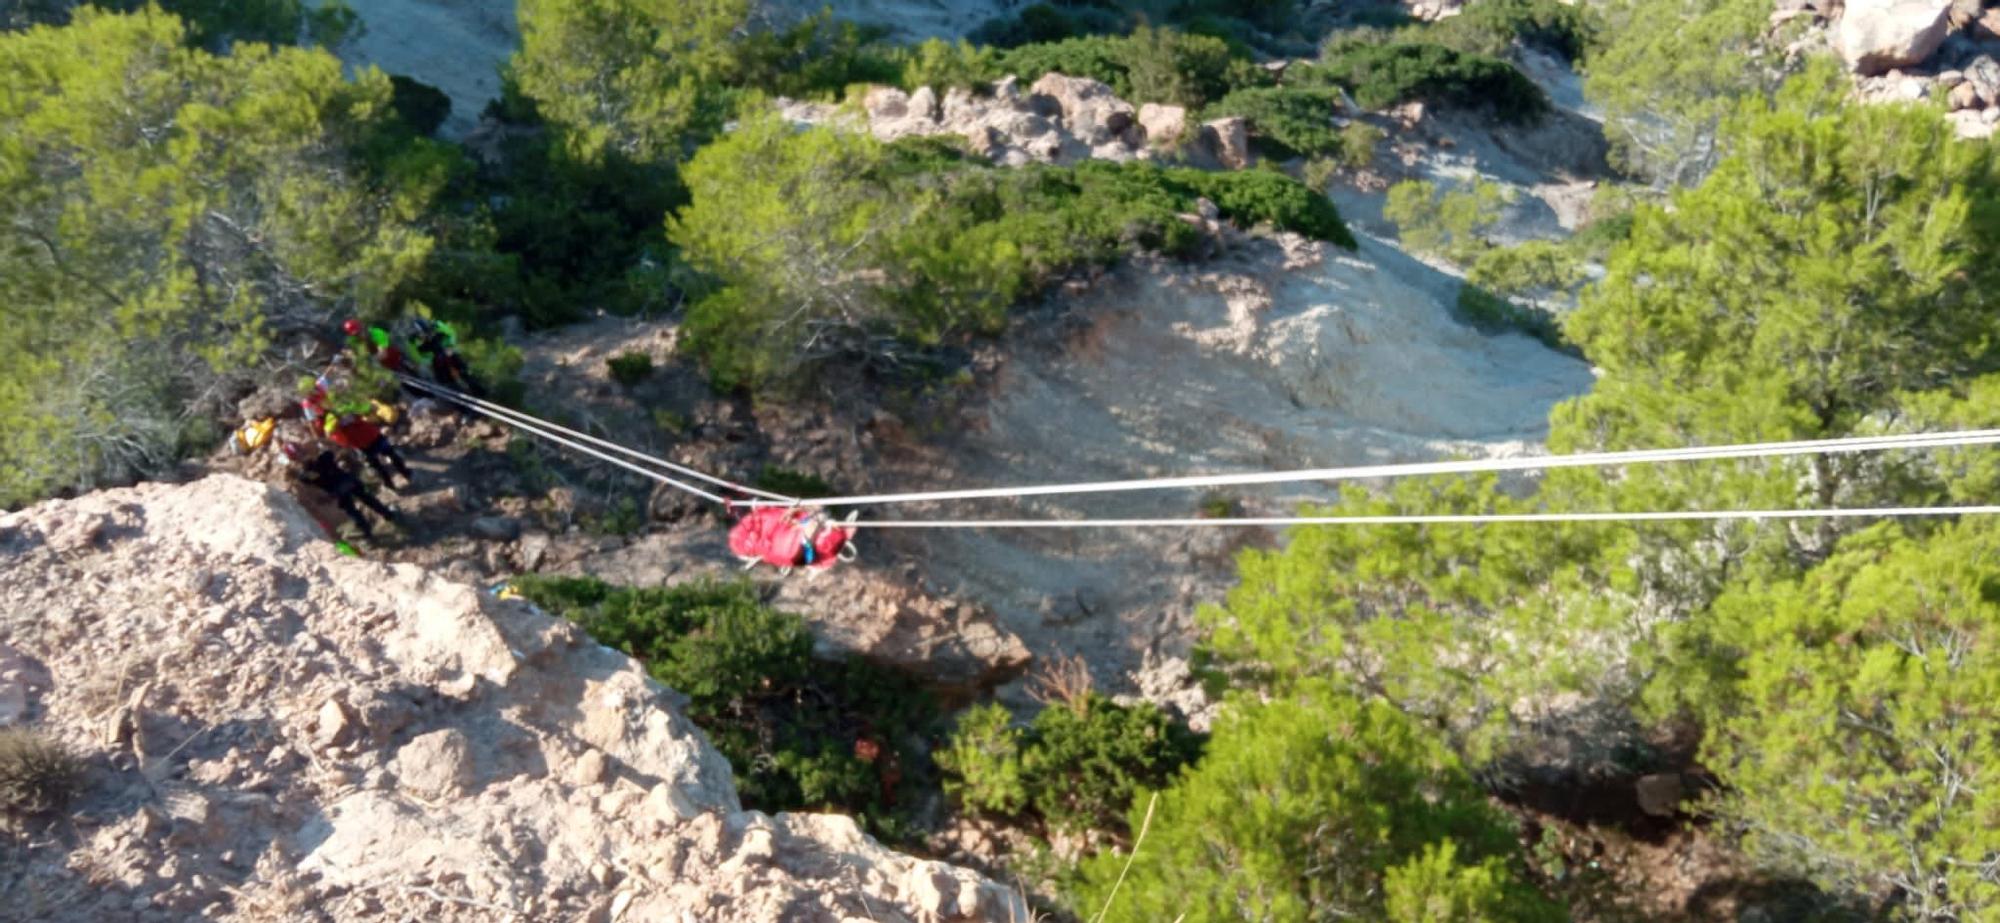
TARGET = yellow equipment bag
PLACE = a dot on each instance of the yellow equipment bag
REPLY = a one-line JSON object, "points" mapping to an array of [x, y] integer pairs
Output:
{"points": [[254, 435], [384, 413]]}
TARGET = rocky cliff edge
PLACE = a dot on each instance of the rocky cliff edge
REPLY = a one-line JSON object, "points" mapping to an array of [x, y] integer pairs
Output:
{"points": [[278, 732]]}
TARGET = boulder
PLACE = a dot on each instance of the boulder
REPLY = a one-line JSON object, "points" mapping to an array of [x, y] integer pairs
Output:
{"points": [[435, 765], [1163, 124], [1227, 142], [1877, 35], [1964, 96], [1089, 109], [924, 104], [1659, 793], [886, 103], [1984, 76]]}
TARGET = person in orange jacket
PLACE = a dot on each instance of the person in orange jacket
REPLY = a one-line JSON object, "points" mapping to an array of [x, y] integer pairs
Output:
{"points": [[362, 435]]}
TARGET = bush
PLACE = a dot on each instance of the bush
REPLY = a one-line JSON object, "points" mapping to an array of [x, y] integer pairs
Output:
{"points": [[1289, 120], [1251, 197], [630, 368], [1087, 759], [982, 762], [1307, 803], [1358, 142], [937, 63], [1150, 65], [1493, 313], [800, 733], [1077, 767], [1451, 224], [1491, 27], [1382, 74], [37, 775]]}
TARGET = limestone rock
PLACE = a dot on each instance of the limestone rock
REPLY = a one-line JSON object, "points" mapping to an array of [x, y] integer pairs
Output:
{"points": [[436, 765], [1877, 35], [1227, 140], [1090, 110], [1964, 96], [1163, 124], [372, 731]]}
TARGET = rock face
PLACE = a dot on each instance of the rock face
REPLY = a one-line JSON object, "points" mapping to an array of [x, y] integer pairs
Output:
{"points": [[279, 732], [1878, 35], [1059, 119]]}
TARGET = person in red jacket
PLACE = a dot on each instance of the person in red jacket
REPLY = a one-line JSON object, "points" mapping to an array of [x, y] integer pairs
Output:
{"points": [[789, 537], [364, 436]]}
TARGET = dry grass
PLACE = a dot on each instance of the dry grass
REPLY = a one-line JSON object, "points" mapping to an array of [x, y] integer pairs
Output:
{"points": [[38, 776], [1062, 680]]}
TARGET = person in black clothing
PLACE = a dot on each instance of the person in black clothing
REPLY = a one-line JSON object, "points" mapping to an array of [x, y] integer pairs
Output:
{"points": [[438, 342], [323, 472]]}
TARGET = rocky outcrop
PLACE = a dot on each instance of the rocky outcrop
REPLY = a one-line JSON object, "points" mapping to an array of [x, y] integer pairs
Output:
{"points": [[1876, 36], [1059, 119], [279, 732]]}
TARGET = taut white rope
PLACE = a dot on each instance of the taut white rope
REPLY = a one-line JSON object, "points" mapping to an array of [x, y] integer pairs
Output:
{"points": [[1434, 519], [1846, 445], [509, 415]]}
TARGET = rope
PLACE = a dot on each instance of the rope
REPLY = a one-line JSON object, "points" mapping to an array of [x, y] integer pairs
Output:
{"points": [[536, 429], [1846, 445], [1433, 519], [514, 417]]}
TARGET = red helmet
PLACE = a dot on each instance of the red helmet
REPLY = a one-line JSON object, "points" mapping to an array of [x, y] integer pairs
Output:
{"points": [[352, 327]]}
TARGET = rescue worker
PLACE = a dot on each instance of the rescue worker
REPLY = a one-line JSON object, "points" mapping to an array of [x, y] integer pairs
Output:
{"points": [[437, 342], [374, 342], [324, 473], [350, 431]]}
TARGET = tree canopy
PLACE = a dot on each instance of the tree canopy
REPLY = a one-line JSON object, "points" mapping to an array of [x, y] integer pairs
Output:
{"points": [[167, 213]]}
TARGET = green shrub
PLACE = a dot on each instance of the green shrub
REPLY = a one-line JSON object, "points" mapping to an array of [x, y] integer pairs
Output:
{"points": [[1358, 142], [1290, 120], [1218, 505], [1529, 266], [630, 368], [792, 483], [1150, 65], [982, 762], [37, 775], [1491, 27], [1310, 802], [421, 106], [800, 733], [1492, 312], [1382, 74], [1251, 197], [1077, 767], [939, 64], [1448, 223]]}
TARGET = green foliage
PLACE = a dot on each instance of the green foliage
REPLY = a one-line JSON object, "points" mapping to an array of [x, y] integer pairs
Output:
{"points": [[1358, 142], [1496, 312], [1526, 267], [1452, 223], [1316, 806], [1851, 717], [792, 483], [167, 215], [216, 25], [1077, 767], [1150, 65], [1383, 73], [421, 106], [1825, 280], [38, 776], [1084, 760], [800, 733], [820, 245], [1666, 91], [937, 63], [982, 762], [1292, 120], [1492, 27], [643, 80], [630, 368]]}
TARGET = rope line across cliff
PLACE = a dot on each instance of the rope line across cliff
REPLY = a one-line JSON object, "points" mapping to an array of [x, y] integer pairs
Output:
{"points": [[600, 448]]}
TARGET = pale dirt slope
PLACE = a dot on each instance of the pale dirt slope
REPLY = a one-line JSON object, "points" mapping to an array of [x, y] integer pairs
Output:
{"points": [[277, 732]]}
